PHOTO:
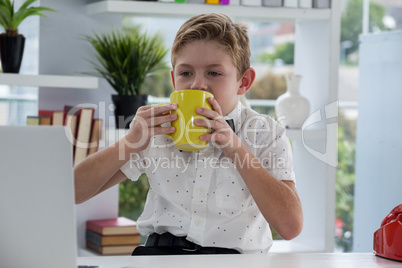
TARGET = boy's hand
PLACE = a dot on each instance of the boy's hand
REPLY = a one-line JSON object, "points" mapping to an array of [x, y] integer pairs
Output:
{"points": [[222, 135], [147, 123]]}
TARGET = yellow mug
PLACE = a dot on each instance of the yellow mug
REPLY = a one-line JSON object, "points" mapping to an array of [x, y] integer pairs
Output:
{"points": [[187, 134]]}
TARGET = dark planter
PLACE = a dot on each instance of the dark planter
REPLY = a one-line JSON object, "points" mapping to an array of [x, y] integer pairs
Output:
{"points": [[11, 51], [125, 108]]}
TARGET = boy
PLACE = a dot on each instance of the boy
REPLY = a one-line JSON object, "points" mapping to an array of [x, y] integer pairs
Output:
{"points": [[220, 199]]}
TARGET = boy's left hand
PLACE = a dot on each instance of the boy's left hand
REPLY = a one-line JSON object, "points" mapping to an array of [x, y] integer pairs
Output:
{"points": [[222, 135]]}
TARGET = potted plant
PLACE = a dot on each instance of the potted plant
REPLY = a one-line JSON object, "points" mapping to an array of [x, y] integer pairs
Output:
{"points": [[125, 58], [11, 42]]}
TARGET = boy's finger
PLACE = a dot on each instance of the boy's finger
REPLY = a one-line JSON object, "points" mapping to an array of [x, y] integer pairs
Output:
{"points": [[213, 124], [215, 105], [155, 109], [159, 120], [162, 130], [214, 137], [158, 109], [211, 114]]}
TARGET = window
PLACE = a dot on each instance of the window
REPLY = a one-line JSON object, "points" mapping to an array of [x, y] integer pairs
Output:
{"points": [[384, 16]]}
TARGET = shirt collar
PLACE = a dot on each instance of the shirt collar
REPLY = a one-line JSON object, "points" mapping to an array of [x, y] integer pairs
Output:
{"points": [[235, 115]]}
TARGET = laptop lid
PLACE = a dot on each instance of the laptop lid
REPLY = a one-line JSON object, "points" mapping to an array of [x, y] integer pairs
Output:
{"points": [[37, 208]]}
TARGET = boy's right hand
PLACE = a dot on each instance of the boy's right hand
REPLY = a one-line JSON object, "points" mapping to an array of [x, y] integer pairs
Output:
{"points": [[147, 123]]}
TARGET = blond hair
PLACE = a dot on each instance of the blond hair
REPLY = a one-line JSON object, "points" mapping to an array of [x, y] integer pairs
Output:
{"points": [[232, 37]]}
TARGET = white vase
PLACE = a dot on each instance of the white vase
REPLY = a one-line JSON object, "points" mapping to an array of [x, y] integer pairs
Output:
{"points": [[291, 108]]}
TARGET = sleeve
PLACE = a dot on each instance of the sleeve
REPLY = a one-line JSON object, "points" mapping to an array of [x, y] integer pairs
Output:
{"points": [[277, 157], [134, 167]]}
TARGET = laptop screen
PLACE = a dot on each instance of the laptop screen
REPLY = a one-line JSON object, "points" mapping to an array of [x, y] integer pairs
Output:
{"points": [[37, 224]]}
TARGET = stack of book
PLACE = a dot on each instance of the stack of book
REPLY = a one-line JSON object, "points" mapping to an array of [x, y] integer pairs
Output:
{"points": [[85, 129], [117, 236]]}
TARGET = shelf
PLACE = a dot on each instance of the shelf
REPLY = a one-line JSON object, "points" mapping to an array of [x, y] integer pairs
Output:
{"points": [[189, 9], [58, 81], [84, 252]]}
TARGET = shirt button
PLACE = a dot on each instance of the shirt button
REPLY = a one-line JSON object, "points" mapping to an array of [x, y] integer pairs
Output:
{"points": [[201, 191], [197, 222], [206, 154]]}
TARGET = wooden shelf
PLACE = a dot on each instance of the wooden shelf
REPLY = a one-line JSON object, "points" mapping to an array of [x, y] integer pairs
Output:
{"points": [[57, 81], [189, 9]]}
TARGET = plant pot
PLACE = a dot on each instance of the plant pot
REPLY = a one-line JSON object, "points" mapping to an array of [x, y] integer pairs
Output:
{"points": [[11, 51], [125, 108]]}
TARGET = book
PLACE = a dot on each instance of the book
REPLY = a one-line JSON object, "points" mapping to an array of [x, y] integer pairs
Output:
{"points": [[71, 116], [95, 136], [251, 2], [111, 250], [305, 3], [71, 123], [45, 120], [272, 3], [57, 116], [39, 120], [322, 3], [112, 240], [115, 226], [83, 134], [33, 120], [291, 3]]}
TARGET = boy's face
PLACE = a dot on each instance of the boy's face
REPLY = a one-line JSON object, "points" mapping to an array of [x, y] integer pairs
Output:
{"points": [[203, 65]]}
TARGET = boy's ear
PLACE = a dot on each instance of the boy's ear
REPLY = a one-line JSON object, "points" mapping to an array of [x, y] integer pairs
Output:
{"points": [[171, 74], [246, 81]]}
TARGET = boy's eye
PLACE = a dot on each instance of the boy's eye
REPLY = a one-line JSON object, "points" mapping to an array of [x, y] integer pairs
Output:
{"points": [[214, 73], [185, 73]]}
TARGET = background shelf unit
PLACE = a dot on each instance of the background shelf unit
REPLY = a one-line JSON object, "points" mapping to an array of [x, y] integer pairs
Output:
{"points": [[190, 9], [316, 52], [54, 81]]}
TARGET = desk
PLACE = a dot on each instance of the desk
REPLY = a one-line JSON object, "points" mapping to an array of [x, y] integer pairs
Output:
{"points": [[275, 260]]}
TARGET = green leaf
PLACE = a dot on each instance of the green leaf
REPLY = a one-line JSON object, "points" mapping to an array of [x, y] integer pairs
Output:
{"points": [[26, 4], [3, 18], [10, 19]]}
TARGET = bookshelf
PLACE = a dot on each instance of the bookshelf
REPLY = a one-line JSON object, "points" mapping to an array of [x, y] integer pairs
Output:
{"points": [[53, 81], [316, 59], [189, 9]]}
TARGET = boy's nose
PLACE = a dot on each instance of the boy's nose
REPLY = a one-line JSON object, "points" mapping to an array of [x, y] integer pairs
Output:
{"points": [[199, 84]]}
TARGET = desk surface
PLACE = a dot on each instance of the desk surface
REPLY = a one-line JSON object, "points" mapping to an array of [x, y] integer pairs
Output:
{"points": [[277, 260]]}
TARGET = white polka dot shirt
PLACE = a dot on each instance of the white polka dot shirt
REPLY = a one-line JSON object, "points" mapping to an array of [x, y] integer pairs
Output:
{"points": [[202, 196]]}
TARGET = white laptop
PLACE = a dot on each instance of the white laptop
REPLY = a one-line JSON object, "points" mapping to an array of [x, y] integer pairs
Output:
{"points": [[37, 210]]}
